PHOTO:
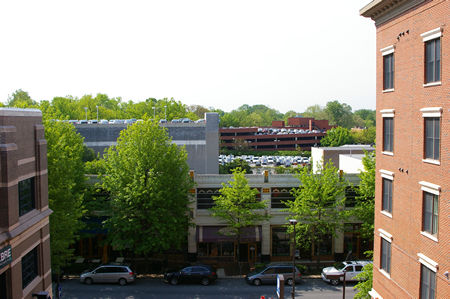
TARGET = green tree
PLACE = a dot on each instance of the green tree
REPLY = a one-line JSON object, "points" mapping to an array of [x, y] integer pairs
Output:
{"points": [[315, 111], [65, 189], [318, 205], [368, 116], [337, 137], [238, 206], [365, 280], [364, 207], [339, 114], [365, 136], [148, 180], [229, 167], [20, 99]]}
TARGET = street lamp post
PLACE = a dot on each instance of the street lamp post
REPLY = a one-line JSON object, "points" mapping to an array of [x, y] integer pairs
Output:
{"points": [[165, 112], [97, 113], [85, 109], [293, 222]]}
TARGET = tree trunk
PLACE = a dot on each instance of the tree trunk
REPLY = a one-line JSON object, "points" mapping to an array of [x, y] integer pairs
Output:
{"points": [[318, 253]]}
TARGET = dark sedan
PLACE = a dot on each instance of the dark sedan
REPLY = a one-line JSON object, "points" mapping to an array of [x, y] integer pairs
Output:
{"points": [[193, 274]]}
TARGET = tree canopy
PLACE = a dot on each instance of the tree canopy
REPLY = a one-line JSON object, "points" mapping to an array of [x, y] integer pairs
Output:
{"points": [[148, 179], [318, 205], [365, 201], [337, 137], [238, 205], [65, 189]]}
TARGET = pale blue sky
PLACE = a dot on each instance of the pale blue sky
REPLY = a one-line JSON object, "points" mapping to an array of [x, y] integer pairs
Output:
{"points": [[284, 54]]}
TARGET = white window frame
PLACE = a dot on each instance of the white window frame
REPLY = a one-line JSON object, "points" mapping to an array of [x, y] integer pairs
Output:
{"points": [[427, 262], [389, 175], [387, 113], [432, 34], [431, 112], [388, 237], [386, 51], [427, 36], [433, 189]]}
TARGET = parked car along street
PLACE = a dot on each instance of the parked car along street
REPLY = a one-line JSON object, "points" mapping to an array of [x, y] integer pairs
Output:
{"points": [[109, 274], [268, 275], [194, 274], [351, 269]]}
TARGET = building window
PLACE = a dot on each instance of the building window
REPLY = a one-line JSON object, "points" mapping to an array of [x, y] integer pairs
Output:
{"points": [[213, 249], [351, 193], [385, 256], [433, 61], [26, 196], [29, 267], [388, 71], [280, 242], [430, 213], [388, 134], [427, 283], [387, 195], [205, 197], [432, 138], [428, 270], [279, 196]]}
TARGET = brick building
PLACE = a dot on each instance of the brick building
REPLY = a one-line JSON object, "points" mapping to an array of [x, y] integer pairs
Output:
{"points": [[412, 228], [24, 212]]}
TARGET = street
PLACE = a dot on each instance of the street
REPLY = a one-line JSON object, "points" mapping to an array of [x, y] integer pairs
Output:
{"points": [[223, 288]]}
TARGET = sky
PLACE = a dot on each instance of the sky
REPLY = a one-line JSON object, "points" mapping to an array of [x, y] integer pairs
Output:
{"points": [[287, 55]]}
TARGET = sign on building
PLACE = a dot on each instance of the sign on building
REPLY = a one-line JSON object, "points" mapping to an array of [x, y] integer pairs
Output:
{"points": [[5, 256]]}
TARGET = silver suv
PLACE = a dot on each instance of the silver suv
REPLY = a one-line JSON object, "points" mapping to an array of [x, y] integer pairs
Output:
{"points": [[110, 274], [335, 274]]}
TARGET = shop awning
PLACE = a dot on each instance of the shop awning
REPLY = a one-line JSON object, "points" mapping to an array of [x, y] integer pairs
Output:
{"points": [[221, 234]]}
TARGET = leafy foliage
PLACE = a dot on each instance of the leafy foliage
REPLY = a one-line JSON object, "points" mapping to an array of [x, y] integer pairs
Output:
{"points": [[20, 99], [65, 189], [318, 204], [238, 205], [337, 137], [148, 180], [366, 280], [229, 167], [365, 203], [339, 114], [364, 136]]}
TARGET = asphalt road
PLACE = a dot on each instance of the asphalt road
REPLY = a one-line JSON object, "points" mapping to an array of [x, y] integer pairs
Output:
{"points": [[226, 288]]}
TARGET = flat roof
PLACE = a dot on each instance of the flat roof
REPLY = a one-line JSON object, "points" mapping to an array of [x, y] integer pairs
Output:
{"points": [[20, 112]]}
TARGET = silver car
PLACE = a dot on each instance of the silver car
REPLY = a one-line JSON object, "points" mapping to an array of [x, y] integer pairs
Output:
{"points": [[268, 275], [109, 274]]}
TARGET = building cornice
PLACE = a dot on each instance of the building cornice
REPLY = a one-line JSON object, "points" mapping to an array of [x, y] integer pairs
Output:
{"points": [[384, 10]]}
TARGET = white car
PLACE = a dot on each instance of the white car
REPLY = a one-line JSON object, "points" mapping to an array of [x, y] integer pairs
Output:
{"points": [[334, 275]]}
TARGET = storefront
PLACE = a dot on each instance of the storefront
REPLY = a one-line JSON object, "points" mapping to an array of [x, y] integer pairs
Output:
{"points": [[218, 243]]}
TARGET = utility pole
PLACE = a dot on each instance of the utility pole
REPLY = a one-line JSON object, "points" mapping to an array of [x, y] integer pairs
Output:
{"points": [[293, 222]]}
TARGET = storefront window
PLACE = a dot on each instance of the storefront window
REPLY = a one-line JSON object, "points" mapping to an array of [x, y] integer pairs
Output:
{"points": [[215, 249], [280, 242], [326, 246]]}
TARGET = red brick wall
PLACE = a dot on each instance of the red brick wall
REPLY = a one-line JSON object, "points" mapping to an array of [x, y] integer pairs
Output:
{"points": [[278, 123], [408, 97]]}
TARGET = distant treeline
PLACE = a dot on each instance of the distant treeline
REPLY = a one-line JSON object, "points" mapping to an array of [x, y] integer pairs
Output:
{"points": [[68, 107]]}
